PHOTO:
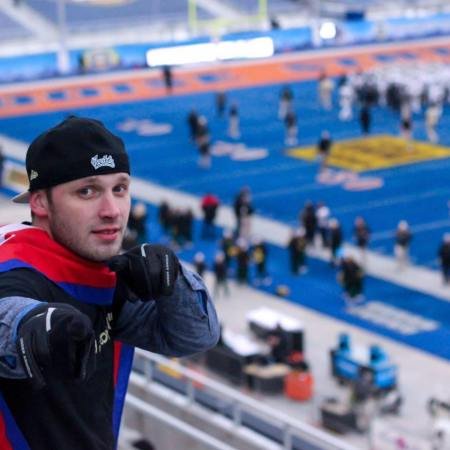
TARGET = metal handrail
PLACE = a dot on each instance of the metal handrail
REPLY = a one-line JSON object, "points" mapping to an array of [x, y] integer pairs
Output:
{"points": [[183, 427], [289, 426]]}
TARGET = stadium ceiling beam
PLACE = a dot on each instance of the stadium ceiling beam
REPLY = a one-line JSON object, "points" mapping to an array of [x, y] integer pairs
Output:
{"points": [[28, 18]]}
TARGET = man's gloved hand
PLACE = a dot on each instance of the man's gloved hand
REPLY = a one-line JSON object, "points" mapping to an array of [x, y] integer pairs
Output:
{"points": [[56, 338], [149, 270]]}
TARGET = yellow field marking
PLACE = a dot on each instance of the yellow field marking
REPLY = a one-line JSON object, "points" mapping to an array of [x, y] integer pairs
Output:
{"points": [[374, 152]]}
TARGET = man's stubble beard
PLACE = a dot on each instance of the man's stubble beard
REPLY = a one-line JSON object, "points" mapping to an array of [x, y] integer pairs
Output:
{"points": [[65, 236]]}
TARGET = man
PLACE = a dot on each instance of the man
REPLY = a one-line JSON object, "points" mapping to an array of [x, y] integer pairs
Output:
{"points": [[243, 211], [290, 122], [68, 323], [285, 102], [234, 131], [324, 148], [279, 345], [323, 214], [210, 204], [351, 277], [365, 119], [168, 78], [297, 251], [220, 275], [308, 221], [326, 86], [259, 253], [403, 237], [203, 141], [221, 100], [335, 239], [433, 114], [361, 233]]}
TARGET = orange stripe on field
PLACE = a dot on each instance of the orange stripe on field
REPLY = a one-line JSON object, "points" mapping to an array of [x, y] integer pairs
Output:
{"points": [[229, 76]]}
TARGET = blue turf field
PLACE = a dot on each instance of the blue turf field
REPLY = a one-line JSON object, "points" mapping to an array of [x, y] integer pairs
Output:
{"points": [[281, 184]]}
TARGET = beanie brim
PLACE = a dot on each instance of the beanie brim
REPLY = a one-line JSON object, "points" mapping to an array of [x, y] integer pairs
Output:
{"points": [[24, 197]]}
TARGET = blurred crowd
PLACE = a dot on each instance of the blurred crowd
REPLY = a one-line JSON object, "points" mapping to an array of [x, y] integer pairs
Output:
{"points": [[242, 254]]}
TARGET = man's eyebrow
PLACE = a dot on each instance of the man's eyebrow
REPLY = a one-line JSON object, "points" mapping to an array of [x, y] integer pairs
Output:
{"points": [[95, 178], [88, 180]]}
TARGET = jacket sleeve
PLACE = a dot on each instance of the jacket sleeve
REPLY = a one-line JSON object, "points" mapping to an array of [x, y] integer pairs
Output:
{"points": [[15, 302], [179, 325]]}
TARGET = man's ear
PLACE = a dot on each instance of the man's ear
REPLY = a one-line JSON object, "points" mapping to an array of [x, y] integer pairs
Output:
{"points": [[39, 204]]}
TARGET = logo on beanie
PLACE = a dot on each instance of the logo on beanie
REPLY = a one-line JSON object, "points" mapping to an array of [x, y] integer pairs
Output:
{"points": [[33, 175], [105, 161]]}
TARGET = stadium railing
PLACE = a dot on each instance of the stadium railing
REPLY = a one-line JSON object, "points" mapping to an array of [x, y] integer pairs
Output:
{"points": [[219, 399]]}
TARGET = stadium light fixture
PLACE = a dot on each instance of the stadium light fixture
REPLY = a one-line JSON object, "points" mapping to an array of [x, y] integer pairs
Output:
{"points": [[210, 52], [327, 30]]}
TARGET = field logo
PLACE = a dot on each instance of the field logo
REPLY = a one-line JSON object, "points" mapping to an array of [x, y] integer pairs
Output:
{"points": [[393, 318], [238, 151], [350, 181], [374, 153], [144, 127]]}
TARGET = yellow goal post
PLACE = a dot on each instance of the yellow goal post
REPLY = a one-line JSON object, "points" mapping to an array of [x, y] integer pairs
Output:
{"points": [[221, 24]]}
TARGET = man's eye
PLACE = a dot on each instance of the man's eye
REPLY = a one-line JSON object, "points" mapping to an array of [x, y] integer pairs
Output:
{"points": [[121, 188], [86, 191]]}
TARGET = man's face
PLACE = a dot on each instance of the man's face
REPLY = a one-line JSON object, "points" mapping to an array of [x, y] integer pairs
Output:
{"points": [[89, 216]]}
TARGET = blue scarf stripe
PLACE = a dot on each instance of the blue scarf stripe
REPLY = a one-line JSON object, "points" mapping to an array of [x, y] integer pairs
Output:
{"points": [[15, 437], [83, 293], [126, 361], [87, 294], [14, 264]]}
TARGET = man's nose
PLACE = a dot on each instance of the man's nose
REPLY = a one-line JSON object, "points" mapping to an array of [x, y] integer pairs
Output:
{"points": [[109, 206]]}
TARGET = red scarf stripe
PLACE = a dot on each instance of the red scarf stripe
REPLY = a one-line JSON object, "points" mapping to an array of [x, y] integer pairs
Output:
{"points": [[35, 247], [5, 443]]}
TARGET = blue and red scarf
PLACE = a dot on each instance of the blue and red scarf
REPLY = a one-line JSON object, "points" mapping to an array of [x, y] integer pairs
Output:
{"points": [[23, 246]]}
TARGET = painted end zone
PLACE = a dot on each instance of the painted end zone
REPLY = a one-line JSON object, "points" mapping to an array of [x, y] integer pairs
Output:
{"points": [[374, 152]]}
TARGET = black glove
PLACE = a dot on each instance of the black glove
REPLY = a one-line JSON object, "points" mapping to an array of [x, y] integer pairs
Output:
{"points": [[58, 339], [150, 271]]}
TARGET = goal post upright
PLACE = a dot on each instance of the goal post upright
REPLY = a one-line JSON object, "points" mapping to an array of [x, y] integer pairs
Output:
{"points": [[192, 16], [219, 25], [263, 9]]}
